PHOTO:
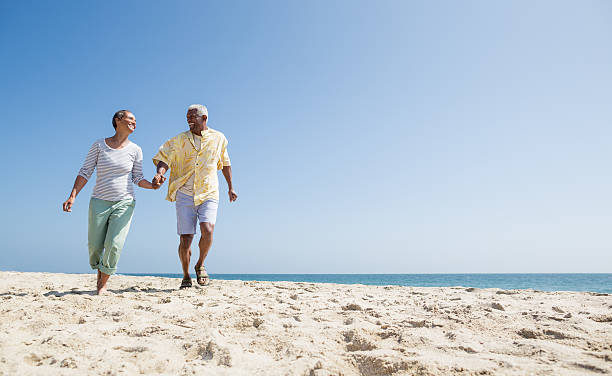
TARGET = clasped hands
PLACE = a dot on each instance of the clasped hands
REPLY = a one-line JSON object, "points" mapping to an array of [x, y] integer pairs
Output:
{"points": [[158, 180]]}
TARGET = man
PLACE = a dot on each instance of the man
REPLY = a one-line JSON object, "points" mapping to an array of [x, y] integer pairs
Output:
{"points": [[193, 158]]}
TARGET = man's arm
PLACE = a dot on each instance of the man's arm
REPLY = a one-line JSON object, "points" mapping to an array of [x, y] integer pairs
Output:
{"points": [[227, 173]]}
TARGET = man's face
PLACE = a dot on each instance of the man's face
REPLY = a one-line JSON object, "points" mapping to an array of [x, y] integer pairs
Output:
{"points": [[196, 123], [128, 122]]}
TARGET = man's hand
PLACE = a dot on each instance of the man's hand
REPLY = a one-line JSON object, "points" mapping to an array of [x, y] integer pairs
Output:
{"points": [[67, 206], [232, 195], [227, 174]]}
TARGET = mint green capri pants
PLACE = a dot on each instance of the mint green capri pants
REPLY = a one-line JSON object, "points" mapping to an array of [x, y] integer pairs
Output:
{"points": [[109, 224]]}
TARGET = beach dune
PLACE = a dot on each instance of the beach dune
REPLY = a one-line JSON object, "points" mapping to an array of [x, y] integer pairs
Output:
{"points": [[55, 324]]}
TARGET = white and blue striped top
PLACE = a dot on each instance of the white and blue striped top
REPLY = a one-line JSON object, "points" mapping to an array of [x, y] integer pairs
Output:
{"points": [[117, 170]]}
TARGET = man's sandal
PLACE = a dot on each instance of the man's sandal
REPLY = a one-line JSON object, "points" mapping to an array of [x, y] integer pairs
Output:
{"points": [[202, 276], [185, 283]]}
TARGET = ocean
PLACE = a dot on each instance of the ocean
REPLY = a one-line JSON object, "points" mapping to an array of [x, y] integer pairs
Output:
{"points": [[599, 283]]}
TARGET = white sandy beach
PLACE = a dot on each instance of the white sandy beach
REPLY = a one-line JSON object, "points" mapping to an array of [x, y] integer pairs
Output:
{"points": [[54, 324]]}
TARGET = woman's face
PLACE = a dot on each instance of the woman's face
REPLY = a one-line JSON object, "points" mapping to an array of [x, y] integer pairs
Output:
{"points": [[128, 123]]}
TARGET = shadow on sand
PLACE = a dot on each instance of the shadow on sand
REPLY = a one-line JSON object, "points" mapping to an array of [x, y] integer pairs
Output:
{"points": [[132, 289]]}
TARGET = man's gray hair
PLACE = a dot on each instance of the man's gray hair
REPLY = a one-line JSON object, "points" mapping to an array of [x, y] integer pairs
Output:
{"points": [[202, 110]]}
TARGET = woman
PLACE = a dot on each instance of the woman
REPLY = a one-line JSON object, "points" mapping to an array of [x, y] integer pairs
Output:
{"points": [[119, 163]]}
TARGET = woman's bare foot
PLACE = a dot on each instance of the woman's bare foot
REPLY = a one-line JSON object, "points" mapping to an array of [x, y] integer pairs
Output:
{"points": [[102, 283]]}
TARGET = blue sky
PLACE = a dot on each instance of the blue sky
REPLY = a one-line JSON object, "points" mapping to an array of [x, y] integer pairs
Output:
{"points": [[365, 137]]}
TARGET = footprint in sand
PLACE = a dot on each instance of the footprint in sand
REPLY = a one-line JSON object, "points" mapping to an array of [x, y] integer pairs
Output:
{"points": [[358, 341]]}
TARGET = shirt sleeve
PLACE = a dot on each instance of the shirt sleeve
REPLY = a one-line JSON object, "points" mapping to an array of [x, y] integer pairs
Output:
{"points": [[164, 154], [137, 175], [91, 161], [224, 161]]}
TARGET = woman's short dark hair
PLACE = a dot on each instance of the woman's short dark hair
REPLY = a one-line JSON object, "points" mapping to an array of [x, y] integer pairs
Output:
{"points": [[118, 115]]}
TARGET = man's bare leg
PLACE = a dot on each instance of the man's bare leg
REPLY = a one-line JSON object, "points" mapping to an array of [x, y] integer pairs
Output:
{"points": [[205, 241], [184, 251]]}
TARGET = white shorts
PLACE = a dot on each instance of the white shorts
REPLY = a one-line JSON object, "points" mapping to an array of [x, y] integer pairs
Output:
{"points": [[188, 215]]}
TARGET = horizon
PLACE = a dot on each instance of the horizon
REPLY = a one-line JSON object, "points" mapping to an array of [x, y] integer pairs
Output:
{"points": [[294, 274]]}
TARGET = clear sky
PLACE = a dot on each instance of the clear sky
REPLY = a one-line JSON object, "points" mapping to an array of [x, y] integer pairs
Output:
{"points": [[365, 136]]}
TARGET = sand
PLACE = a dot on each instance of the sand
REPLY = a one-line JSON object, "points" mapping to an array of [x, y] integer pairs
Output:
{"points": [[55, 324]]}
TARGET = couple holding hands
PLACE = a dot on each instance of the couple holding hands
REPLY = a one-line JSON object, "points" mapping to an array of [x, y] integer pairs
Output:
{"points": [[193, 158]]}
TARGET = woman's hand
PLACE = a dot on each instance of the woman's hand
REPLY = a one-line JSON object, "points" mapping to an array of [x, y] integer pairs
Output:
{"points": [[79, 183], [67, 206]]}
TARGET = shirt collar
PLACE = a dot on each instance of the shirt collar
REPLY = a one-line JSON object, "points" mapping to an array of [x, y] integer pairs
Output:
{"points": [[190, 135], [204, 132]]}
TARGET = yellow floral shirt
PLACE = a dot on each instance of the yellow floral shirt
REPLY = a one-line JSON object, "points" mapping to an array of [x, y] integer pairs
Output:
{"points": [[180, 154]]}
